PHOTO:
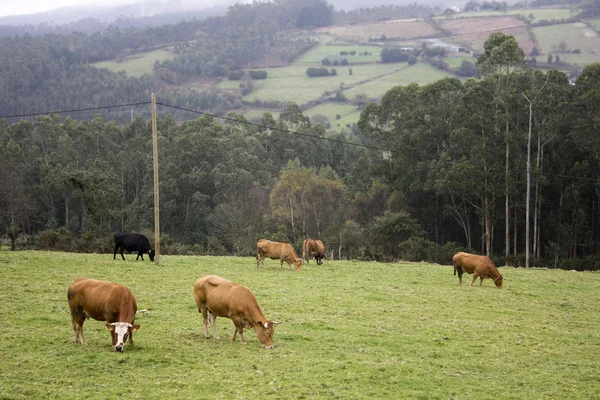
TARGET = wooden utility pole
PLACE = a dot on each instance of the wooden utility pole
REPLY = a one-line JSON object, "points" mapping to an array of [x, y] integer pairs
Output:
{"points": [[156, 196]]}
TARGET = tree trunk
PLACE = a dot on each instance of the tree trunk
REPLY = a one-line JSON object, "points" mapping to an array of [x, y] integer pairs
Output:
{"points": [[528, 194], [507, 198]]}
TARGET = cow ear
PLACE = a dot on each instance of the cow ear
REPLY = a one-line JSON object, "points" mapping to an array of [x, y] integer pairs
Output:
{"points": [[259, 323], [135, 327], [111, 327]]}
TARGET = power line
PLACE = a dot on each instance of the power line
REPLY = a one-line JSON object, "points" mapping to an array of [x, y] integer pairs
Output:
{"points": [[275, 128], [75, 110]]}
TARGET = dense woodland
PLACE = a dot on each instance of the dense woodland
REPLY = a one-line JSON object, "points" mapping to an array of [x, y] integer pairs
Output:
{"points": [[427, 171]]}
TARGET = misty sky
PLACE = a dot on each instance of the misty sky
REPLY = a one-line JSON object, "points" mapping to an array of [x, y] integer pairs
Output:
{"points": [[19, 7]]}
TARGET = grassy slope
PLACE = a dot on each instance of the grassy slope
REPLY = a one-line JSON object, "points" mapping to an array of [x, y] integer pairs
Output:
{"points": [[576, 36], [350, 330], [139, 64], [539, 13]]}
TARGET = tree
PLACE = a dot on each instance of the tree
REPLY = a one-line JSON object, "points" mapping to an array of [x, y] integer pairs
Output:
{"points": [[502, 57], [467, 69]]}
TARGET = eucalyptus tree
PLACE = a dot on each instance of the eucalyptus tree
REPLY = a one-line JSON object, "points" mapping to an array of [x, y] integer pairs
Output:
{"points": [[502, 57]]}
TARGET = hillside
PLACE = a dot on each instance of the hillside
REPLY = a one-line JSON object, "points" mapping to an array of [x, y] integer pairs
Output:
{"points": [[353, 50]]}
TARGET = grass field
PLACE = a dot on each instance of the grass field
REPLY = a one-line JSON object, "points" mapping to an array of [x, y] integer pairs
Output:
{"points": [[138, 65], [330, 110], [595, 23], [292, 84], [576, 36], [538, 13], [355, 330], [420, 73], [314, 56]]}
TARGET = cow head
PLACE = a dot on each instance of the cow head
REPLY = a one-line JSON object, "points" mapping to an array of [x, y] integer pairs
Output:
{"points": [[151, 253], [298, 264], [265, 331], [498, 281], [121, 332], [320, 258]]}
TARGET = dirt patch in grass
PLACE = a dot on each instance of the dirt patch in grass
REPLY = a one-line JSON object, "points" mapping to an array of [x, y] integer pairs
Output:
{"points": [[393, 30]]}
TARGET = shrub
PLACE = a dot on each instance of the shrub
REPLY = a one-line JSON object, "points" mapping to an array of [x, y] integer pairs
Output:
{"points": [[235, 75], [258, 74], [326, 61], [412, 60], [312, 72]]}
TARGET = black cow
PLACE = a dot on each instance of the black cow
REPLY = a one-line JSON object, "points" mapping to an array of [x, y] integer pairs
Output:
{"points": [[133, 242]]}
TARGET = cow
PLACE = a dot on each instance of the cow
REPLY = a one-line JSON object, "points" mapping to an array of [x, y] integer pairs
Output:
{"points": [[218, 297], [103, 301], [479, 266], [313, 247], [276, 250], [133, 242]]}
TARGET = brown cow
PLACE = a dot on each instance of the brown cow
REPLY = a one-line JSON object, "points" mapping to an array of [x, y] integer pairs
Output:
{"points": [[479, 266], [218, 297], [313, 247], [103, 301], [276, 250]]}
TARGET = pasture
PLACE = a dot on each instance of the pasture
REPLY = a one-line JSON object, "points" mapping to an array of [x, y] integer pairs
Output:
{"points": [[539, 14], [138, 64], [349, 329], [315, 55], [575, 36], [392, 30]]}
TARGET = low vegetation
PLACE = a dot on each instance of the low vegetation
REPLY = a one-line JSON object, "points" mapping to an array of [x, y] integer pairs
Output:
{"points": [[349, 330]]}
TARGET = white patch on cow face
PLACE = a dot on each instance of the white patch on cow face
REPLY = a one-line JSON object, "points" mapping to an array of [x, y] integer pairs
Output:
{"points": [[120, 334]]}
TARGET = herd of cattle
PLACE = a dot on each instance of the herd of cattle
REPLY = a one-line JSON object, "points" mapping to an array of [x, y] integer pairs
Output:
{"points": [[215, 296]]}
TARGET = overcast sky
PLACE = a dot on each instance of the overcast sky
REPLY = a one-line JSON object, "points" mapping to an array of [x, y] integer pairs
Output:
{"points": [[20, 7]]}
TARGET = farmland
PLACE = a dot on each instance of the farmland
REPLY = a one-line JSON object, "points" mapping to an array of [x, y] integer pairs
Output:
{"points": [[475, 31], [539, 14], [139, 64], [575, 36], [349, 330], [391, 30]]}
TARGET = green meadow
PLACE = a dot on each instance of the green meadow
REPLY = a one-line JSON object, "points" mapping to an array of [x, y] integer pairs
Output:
{"points": [[595, 23], [350, 330], [538, 13], [420, 73], [292, 84], [331, 110], [139, 64], [314, 56], [576, 36]]}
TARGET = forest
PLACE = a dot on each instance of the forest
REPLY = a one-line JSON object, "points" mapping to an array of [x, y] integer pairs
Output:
{"points": [[427, 171]]}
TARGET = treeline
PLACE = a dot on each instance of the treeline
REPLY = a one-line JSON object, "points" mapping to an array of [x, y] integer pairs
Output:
{"points": [[452, 174]]}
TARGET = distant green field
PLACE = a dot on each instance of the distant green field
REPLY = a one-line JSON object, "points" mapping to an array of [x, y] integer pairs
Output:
{"points": [[595, 23], [349, 330], [330, 110], [257, 113], [139, 64], [317, 54], [292, 84], [419, 73], [538, 13], [576, 36], [455, 61], [347, 120]]}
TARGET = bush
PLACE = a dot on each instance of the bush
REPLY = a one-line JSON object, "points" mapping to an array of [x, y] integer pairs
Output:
{"points": [[393, 54], [312, 72], [417, 248], [466, 69], [326, 61], [258, 74], [235, 75], [412, 60], [343, 61], [60, 240]]}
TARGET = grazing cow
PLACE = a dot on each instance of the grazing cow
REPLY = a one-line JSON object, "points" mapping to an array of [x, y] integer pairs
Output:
{"points": [[313, 247], [276, 250], [479, 266], [218, 297], [103, 301], [133, 242]]}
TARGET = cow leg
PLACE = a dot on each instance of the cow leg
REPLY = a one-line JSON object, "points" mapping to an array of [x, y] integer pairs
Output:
{"points": [[116, 249], [481, 281], [241, 331], [78, 329], [122, 250], [140, 254], [460, 274], [213, 323], [475, 275], [202, 309]]}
